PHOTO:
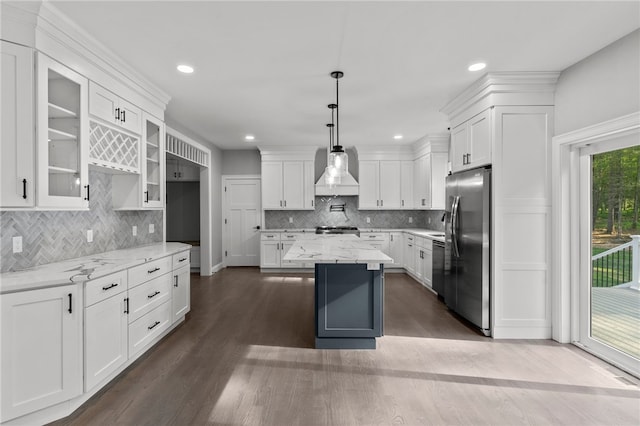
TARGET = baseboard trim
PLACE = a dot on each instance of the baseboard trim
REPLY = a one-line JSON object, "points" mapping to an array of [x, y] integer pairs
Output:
{"points": [[217, 268]]}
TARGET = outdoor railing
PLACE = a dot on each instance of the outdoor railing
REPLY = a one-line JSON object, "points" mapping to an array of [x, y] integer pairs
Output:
{"points": [[617, 266]]}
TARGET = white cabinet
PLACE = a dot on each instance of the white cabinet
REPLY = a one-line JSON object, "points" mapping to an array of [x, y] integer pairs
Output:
{"points": [[379, 185], [430, 174], [17, 155], [409, 253], [144, 190], [41, 349], [423, 264], [471, 143], [178, 170], [396, 249], [379, 240], [270, 250], [62, 135], [283, 186], [309, 185], [406, 185], [113, 109], [105, 327], [181, 294]]}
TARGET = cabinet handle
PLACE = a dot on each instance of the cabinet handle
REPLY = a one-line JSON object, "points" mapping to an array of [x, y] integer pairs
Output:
{"points": [[402, 203], [372, 236], [155, 324], [124, 120], [391, 236], [410, 245], [280, 203], [70, 303], [126, 305], [381, 203], [311, 203], [175, 284], [182, 260], [107, 287], [146, 196], [423, 201], [151, 271], [118, 114], [151, 296], [377, 203], [24, 189], [88, 193], [285, 203]]}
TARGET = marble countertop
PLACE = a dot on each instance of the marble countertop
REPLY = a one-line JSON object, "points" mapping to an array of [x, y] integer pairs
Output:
{"points": [[85, 268], [428, 233], [335, 249]]}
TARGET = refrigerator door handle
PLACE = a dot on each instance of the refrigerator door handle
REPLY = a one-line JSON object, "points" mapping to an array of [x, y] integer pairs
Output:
{"points": [[454, 225]]}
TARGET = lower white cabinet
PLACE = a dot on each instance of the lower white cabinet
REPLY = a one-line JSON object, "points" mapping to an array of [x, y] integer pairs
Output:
{"points": [[273, 247], [409, 253], [379, 240], [146, 328], [41, 349], [181, 293], [396, 249], [149, 295], [423, 255]]}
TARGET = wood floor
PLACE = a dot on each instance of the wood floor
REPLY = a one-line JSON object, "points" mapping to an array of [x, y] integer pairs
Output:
{"points": [[615, 318], [245, 356]]}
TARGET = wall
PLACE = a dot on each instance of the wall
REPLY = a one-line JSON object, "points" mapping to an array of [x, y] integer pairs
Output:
{"points": [[52, 236], [602, 86], [308, 219], [183, 211], [241, 162]]}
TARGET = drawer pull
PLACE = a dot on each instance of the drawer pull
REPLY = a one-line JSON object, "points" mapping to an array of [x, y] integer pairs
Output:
{"points": [[126, 305], [151, 296], [151, 271], [155, 324], [108, 287], [182, 260], [372, 236], [175, 282]]}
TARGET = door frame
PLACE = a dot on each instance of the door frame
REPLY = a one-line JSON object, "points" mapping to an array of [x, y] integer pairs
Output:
{"points": [[571, 195], [225, 179]]}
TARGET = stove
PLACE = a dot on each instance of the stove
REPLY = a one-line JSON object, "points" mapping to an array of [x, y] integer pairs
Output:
{"points": [[338, 230]]}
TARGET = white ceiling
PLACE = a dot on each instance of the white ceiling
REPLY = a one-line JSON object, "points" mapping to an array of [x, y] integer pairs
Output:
{"points": [[263, 67]]}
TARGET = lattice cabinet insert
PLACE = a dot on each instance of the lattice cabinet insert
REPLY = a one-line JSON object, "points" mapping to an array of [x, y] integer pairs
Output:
{"points": [[113, 149]]}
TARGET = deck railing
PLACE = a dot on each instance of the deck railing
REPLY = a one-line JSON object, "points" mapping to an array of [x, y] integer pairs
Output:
{"points": [[619, 266]]}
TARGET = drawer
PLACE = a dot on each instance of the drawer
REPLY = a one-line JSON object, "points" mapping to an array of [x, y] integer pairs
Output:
{"points": [[149, 295], [148, 327], [150, 270], [270, 236], [104, 287], [375, 236], [292, 236], [409, 237], [181, 259]]}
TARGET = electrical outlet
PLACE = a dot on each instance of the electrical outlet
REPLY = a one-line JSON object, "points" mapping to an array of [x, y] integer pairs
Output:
{"points": [[134, 230], [368, 219], [152, 228], [410, 220], [90, 235], [290, 220], [17, 244]]}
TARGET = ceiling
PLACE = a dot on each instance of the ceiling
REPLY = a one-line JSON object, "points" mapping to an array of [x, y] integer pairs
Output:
{"points": [[262, 68]]}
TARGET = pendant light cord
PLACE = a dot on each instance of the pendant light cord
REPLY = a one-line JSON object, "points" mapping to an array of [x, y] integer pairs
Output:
{"points": [[337, 137]]}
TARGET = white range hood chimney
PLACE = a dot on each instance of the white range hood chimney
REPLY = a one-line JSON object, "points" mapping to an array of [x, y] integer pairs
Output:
{"points": [[347, 186]]}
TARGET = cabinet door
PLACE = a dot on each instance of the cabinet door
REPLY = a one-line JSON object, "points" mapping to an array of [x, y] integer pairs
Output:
{"points": [[102, 103], [284, 248], [396, 248], [270, 254], [181, 294], [390, 197], [369, 185], [63, 136], [479, 143], [427, 263], [420, 173], [406, 184], [105, 337], [41, 349], [438, 178], [272, 185], [419, 265], [293, 184], [17, 145], [153, 163], [129, 116], [309, 185], [409, 256], [458, 154]]}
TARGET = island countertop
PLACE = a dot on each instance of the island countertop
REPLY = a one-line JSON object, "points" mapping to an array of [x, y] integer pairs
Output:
{"points": [[335, 249]]}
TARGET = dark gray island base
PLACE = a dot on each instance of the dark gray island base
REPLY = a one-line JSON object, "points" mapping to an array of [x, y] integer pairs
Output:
{"points": [[349, 305]]}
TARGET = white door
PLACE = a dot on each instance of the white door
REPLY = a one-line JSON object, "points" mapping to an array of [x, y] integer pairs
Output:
{"points": [[242, 222]]}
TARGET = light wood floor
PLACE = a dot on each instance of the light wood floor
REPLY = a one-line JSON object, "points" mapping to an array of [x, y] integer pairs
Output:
{"points": [[245, 356], [615, 318]]}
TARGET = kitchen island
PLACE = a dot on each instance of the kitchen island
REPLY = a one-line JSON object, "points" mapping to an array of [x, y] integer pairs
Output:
{"points": [[349, 288]]}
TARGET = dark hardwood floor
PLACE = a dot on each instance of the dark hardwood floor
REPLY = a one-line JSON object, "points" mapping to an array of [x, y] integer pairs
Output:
{"points": [[245, 356]]}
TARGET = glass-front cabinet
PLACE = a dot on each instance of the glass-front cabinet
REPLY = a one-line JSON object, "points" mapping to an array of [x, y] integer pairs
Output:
{"points": [[63, 131], [153, 162]]}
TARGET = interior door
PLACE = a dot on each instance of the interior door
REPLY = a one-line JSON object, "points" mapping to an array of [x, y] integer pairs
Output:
{"points": [[242, 222]]}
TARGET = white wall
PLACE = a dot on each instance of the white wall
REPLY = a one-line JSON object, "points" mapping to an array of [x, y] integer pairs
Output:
{"points": [[241, 162], [602, 86]]}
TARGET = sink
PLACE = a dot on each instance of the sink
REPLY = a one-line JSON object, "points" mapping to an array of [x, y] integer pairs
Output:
{"points": [[436, 234]]}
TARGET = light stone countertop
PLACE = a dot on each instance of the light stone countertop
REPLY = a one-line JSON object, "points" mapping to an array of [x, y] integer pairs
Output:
{"points": [[85, 268], [335, 249], [428, 233]]}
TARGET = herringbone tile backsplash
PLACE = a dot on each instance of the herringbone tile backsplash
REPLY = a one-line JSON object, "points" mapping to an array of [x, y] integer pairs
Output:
{"points": [[52, 236]]}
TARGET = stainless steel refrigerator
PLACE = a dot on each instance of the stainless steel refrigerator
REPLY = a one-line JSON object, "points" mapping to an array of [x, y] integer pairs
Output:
{"points": [[468, 246]]}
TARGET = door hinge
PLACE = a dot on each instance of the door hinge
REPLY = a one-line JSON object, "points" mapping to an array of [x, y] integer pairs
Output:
{"points": [[225, 253]]}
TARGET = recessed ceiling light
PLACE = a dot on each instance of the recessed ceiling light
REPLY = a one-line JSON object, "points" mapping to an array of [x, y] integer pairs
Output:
{"points": [[477, 66], [187, 69], [249, 138], [397, 137]]}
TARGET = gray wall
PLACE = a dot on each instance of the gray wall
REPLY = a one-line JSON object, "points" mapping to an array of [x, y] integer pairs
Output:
{"points": [[308, 219], [183, 211], [601, 87], [52, 236], [241, 162]]}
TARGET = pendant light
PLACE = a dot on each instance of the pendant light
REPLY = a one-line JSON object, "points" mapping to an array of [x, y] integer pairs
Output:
{"points": [[338, 159], [331, 174]]}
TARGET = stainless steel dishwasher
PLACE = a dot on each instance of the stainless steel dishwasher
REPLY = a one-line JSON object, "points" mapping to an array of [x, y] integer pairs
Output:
{"points": [[437, 277]]}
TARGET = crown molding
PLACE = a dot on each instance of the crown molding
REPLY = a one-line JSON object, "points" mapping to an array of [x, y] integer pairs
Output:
{"points": [[288, 152], [498, 88], [615, 128], [431, 144]]}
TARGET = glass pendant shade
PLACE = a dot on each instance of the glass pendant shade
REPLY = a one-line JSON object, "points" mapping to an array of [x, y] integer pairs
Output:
{"points": [[331, 177], [339, 161]]}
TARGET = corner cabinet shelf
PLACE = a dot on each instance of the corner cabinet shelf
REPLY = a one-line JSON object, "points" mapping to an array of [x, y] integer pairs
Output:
{"points": [[62, 136], [146, 189]]}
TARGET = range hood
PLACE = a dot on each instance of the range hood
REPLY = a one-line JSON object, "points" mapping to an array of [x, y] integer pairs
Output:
{"points": [[347, 186]]}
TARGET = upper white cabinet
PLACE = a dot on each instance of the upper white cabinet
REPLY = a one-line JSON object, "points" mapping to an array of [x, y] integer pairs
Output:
{"points": [[41, 349], [288, 185], [379, 185], [471, 143], [309, 185], [18, 137], [406, 185], [113, 109], [63, 136], [430, 171]]}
